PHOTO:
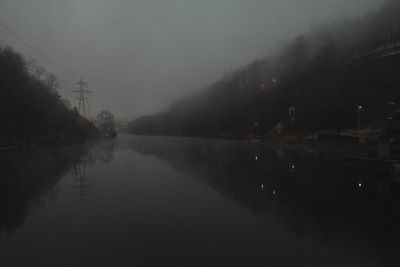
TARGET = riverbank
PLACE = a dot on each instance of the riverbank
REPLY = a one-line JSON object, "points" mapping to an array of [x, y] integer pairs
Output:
{"points": [[35, 144], [349, 146], [332, 143], [363, 141]]}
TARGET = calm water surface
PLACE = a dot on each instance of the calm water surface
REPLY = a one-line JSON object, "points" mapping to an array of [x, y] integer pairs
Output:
{"points": [[159, 201]]}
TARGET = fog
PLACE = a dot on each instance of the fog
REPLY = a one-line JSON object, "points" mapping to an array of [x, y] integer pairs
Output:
{"points": [[140, 55]]}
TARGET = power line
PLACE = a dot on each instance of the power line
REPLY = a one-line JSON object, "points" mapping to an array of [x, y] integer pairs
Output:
{"points": [[82, 91], [36, 51], [4, 26]]}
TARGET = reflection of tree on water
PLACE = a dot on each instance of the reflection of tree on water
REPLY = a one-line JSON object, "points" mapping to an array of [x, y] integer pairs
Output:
{"points": [[29, 177], [308, 191], [104, 151]]}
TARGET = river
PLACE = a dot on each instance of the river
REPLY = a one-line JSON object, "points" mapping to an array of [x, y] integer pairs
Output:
{"points": [[164, 201]]}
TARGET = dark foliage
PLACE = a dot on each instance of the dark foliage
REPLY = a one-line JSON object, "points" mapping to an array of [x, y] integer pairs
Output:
{"points": [[325, 74], [105, 122], [31, 111]]}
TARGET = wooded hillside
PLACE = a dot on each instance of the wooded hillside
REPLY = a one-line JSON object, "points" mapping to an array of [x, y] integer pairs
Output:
{"points": [[325, 74]]}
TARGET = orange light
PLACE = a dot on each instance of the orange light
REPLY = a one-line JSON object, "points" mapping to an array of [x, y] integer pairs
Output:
{"points": [[274, 80], [256, 157]]}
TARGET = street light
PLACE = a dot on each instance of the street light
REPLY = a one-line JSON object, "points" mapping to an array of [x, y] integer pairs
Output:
{"points": [[359, 109]]}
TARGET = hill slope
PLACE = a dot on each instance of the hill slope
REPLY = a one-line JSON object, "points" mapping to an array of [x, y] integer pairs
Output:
{"points": [[325, 74], [31, 111]]}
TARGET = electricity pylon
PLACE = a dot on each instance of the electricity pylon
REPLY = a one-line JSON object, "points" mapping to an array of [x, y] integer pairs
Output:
{"points": [[82, 97]]}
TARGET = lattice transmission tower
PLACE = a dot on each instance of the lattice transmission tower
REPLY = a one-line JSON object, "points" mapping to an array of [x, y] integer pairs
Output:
{"points": [[83, 98]]}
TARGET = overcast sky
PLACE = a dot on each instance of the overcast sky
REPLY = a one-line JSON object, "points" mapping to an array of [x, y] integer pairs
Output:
{"points": [[139, 55]]}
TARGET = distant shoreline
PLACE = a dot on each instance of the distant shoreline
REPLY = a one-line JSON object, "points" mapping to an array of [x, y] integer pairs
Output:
{"points": [[350, 145], [33, 146]]}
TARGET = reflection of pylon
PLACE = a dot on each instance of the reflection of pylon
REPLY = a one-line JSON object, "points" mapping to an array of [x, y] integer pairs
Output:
{"points": [[81, 176], [82, 98]]}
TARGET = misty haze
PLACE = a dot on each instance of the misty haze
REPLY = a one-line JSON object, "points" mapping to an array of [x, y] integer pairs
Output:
{"points": [[199, 133]]}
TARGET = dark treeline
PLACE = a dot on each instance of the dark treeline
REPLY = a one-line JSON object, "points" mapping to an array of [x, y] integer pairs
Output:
{"points": [[324, 74], [31, 110]]}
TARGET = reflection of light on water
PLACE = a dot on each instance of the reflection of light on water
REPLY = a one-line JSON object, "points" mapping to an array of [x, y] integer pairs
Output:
{"points": [[292, 168]]}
